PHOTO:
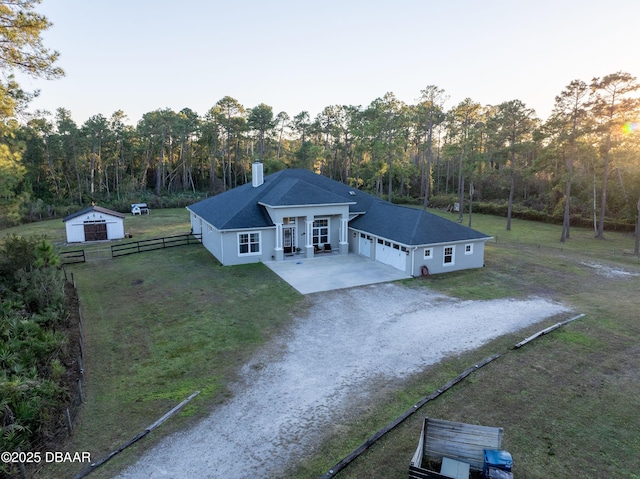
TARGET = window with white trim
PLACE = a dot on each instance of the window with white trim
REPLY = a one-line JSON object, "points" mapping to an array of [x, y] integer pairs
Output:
{"points": [[320, 231], [428, 253], [468, 248], [448, 259], [248, 243]]}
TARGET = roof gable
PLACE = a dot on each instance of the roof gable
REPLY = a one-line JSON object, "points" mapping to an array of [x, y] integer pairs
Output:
{"points": [[90, 209]]}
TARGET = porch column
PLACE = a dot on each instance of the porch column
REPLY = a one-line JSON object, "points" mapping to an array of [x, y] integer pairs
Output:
{"points": [[308, 242], [279, 256], [344, 235]]}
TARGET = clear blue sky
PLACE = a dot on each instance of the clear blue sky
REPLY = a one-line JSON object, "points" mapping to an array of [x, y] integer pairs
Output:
{"points": [[142, 55]]}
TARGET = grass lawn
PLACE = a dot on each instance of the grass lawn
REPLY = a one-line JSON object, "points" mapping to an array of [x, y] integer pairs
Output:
{"points": [[162, 324]]}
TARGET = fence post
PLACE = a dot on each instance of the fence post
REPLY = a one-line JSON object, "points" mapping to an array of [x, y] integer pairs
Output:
{"points": [[68, 418], [80, 391]]}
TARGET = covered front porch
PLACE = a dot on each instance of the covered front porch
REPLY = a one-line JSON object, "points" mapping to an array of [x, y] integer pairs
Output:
{"points": [[311, 235]]}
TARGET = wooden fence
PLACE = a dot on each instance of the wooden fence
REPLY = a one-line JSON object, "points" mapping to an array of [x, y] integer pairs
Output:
{"points": [[153, 244], [115, 251], [75, 256]]}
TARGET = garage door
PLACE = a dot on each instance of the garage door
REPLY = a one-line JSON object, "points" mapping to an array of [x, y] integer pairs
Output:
{"points": [[391, 254], [365, 245]]}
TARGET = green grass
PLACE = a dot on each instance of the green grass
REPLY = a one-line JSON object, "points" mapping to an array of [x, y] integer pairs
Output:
{"points": [[163, 324]]}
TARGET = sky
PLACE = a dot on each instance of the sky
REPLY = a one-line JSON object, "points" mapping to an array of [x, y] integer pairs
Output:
{"points": [[142, 55]]}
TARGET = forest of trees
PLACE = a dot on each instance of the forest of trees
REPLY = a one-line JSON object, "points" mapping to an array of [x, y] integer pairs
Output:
{"points": [[583, 161]]}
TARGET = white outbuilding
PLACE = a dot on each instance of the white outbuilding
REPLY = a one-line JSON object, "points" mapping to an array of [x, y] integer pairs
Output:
{"points": [[94, 224]]}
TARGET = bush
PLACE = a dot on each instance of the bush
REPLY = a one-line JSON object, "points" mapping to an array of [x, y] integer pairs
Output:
{"points": [[17, 254], [32, 307], [407, 200], [443, 201]]}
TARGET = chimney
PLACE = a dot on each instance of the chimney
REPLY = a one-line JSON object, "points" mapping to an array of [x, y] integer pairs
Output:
{"points": [[257, 175]]}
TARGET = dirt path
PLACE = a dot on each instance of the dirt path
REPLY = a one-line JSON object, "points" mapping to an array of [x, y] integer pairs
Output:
{"points": [[301, 386]]}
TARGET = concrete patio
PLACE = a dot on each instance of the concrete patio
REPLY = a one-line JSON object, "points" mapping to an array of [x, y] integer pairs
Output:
{"points": [[333, 271]]}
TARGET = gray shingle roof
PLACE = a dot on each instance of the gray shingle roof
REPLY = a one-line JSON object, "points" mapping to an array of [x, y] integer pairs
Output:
{"points": [[242, 207], [411, 226], [295, 191]]}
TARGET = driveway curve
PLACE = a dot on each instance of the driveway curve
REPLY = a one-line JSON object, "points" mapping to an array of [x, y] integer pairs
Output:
{"points": [[300, 387]]}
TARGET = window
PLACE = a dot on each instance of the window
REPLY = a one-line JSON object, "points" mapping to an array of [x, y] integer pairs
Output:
{"points": [[468, 248], [320, 231], [289, 221], [249, 243], [448, 255], [428, 253]]}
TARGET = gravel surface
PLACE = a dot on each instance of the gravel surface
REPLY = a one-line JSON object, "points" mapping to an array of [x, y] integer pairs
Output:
{"points": [[301, 386]]}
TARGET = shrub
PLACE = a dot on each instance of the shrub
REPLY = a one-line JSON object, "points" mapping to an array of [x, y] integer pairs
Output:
{"points": [[32, 306]]}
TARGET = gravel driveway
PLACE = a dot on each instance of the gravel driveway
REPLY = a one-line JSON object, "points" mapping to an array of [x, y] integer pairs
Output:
{"points": [[301, 386]]}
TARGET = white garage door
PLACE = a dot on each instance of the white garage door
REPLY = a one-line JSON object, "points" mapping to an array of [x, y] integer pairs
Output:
{"points": [[365, 245], [387, 254]]}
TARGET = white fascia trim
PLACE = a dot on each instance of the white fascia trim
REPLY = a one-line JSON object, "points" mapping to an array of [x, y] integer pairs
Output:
{"points": [[236, 230], [383, 238], [306, 205], [430, 245]]}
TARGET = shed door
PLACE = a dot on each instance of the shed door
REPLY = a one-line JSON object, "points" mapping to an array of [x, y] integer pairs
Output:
{"points": [[95, 231]]}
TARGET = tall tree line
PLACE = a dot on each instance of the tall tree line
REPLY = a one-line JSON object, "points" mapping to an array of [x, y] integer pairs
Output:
{"points": [[580, 161]]}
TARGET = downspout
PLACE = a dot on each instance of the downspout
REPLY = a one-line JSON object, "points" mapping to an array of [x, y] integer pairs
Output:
{"points": [[413, 261], [222, 233]]}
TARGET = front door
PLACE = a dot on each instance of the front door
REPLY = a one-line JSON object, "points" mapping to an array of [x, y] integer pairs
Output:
{"points": [[288, 239]]}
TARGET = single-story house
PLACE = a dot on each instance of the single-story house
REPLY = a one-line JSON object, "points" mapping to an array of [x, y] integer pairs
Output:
{"points": [[297, 212], [94, 224]]}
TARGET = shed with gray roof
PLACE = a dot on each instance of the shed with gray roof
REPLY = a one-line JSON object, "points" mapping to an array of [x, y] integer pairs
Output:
{"points": [[94, 224]]}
